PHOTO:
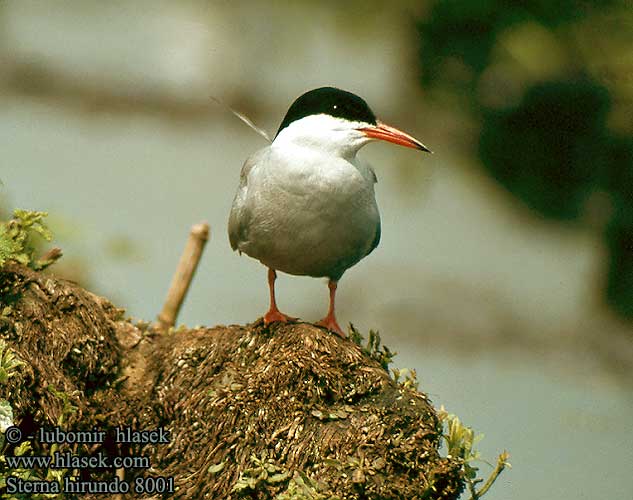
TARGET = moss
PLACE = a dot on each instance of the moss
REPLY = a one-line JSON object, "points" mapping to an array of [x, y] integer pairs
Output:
{"points": [[292, 401], [16, 237], [65, 343]]}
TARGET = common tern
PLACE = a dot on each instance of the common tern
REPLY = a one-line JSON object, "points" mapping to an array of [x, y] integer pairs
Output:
{"points": [[306, 204]]}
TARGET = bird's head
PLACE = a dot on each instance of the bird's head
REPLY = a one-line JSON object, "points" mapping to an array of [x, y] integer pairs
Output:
{"points": [[334, 120]]}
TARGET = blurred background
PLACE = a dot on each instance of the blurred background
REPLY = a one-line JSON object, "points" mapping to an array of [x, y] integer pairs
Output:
{"points": [[505, 271]]}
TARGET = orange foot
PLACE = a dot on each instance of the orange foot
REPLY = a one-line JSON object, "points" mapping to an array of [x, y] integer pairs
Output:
{"points": [[329, 322], [275, 315]]}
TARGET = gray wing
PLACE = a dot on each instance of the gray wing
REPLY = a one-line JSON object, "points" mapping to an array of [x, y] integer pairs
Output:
{"points": [[374, 243], [239, 217], [373, 173]]}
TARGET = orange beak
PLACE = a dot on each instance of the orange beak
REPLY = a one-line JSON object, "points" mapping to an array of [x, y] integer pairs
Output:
{"points": [[387, 133]]}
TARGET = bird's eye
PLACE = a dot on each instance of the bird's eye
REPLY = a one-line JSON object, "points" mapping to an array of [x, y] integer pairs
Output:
{"points": [[335, 106]]}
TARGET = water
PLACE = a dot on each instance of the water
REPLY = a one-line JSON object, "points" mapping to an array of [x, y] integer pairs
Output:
{"points": [[569, 431]]}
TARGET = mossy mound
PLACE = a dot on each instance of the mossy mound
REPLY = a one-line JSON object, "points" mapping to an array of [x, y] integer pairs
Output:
{"points": [[67, 338], [251, 407], [285, 412]]}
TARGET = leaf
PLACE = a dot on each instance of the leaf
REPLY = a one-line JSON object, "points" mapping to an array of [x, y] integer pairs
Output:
{"points": [[358, 476], [332, 462], [278, 478], [318, 414], [214, 469], [379, 463], [22, 449], [340, 413], [9, 362]]}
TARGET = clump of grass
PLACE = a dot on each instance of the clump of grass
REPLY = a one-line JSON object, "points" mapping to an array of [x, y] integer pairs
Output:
{"points": [[373, 348]]}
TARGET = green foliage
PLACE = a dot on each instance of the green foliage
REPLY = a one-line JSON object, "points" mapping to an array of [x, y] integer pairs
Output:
{"points": [[16, 237], [263, 472], [67, 409], [619, 236], [25, 447], [373, 348], [467, 32], [301, 487], [541, 87], [9, 361], [406, 377], [214, 469], [460, 441], [552, 149], [459, 30]]}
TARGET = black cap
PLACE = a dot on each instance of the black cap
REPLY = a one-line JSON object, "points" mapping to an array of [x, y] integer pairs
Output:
{"points": [[329, 101]]}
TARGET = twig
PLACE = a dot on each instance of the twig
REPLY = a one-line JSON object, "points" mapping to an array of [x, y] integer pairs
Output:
{"points": [[502, 463], [48, 258], [473, 491], [184, 274]]}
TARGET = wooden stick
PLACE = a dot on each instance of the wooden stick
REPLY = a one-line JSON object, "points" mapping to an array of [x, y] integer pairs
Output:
{"points": [[49, 258], [184, 274]]}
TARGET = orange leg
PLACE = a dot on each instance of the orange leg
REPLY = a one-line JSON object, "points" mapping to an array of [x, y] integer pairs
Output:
{"points": [[273, 313], [329, 321]]}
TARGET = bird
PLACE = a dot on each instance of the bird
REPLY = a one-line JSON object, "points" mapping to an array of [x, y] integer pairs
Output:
{"points": [[306, 204]]}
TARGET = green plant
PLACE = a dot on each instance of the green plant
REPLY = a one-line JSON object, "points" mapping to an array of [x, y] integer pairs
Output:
{"points": [[50, 475], [374, 349], [9, 361], [406, 378], [460, 441], [16, 238], [264, 471], [301, 487]]}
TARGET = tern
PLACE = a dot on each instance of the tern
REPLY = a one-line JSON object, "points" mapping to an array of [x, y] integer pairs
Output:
{"points": [[305, 204]]}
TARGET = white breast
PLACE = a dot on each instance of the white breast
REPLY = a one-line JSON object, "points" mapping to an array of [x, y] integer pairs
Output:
{"points": [[306, 212]]}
